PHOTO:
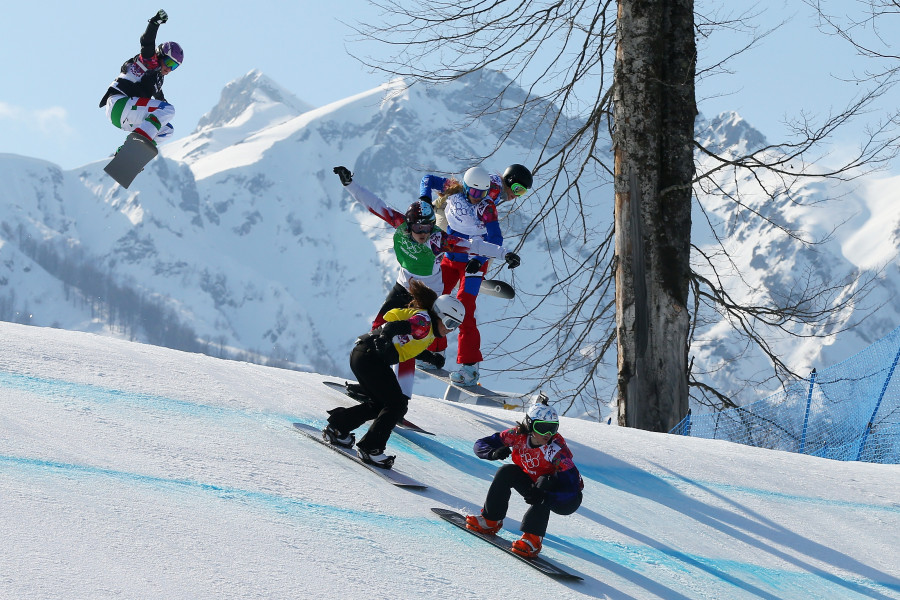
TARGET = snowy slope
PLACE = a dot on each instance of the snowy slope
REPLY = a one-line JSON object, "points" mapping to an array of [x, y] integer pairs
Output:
{"points": [[129, 470]]}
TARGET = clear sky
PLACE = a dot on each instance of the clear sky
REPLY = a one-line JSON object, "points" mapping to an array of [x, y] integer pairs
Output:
{"points": [[59, 58]]}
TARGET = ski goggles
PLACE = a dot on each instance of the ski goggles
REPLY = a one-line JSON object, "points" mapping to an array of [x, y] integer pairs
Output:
{"points": [[170, 62], [450, 323], [475, 194], [545, 427], [518, 189], [421, 227]]}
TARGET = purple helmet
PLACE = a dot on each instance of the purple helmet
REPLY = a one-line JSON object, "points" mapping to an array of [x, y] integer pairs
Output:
{"points": [[170, 50]]}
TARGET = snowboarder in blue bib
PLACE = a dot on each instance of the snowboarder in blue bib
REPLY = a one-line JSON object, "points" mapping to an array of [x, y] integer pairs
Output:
{"points": [[135, 100], [542, 471]]}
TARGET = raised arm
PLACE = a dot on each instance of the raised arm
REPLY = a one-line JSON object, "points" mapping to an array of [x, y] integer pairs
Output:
{"points": [[373, 203]]}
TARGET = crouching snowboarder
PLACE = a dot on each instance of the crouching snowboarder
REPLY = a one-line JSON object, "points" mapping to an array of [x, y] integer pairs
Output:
{"points": [[543, 472], [406, 334]]}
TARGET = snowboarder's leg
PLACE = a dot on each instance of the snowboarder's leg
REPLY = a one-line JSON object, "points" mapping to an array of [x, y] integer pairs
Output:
{"points": [[469, 337], [380, 383], [406, 376], [145, 116], [508, 477], [537, 516]]}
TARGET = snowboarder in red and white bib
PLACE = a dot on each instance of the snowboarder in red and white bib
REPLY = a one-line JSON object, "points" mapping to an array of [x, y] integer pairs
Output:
{"points": [[543, 472]]}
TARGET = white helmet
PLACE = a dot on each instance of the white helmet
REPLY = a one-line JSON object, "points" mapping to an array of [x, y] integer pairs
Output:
{"points": [[449, 310], [477, 182], [541, 418]]}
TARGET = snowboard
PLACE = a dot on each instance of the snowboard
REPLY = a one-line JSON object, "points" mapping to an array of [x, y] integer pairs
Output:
{"points": [[495, 287], [540, 563], [405, 423], [131, 159], [473, 394], [392, 475]]}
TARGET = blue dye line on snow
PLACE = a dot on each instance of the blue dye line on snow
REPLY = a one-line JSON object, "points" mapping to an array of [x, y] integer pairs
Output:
{"points": [[763, 582], [62, 390], [57, 389], [282, 504]]}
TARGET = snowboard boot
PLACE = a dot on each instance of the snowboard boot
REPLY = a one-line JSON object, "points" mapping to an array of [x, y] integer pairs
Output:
{"points": [[467, 376], [375, 457], [529, 545], [421, 364], [336, 438], [481, 525], [356, 391]]}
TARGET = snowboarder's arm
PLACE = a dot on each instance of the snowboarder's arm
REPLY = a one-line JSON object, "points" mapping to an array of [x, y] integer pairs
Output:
{"points": [[485, 447], [375, 204], [474, 246], [431, 182], [148, 40]]}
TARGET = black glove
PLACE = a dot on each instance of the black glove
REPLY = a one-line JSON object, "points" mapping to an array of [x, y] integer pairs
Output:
{"points": [[344, 173], [433, 358], [427, 199], [394, 328], [546, 483], [159, 18], [534, 496], [512, 260], [501, 453], [384, 346], [473, 266]]}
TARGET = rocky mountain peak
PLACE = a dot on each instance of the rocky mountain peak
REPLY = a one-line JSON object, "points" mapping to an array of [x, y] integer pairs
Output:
{"points": [[253, 90]]}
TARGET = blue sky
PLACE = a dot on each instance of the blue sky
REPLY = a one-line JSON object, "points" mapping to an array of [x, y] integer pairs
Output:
{"points": [[60, 57]]}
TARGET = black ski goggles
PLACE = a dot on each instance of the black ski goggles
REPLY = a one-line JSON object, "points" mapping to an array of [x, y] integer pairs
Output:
{"points": [[421, 227], [545, 427]]}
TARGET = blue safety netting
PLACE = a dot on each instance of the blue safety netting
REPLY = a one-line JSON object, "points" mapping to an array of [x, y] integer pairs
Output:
{"points": [[850, 411]]}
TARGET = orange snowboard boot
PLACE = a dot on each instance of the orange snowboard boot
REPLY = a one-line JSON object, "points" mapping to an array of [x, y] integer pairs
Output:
{"points": [[481, 525], [529, 545]]}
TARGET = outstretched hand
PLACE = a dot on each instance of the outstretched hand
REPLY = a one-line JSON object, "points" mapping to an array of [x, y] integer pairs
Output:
{"points": [[159, 18], [344, 173], [512, 260]]}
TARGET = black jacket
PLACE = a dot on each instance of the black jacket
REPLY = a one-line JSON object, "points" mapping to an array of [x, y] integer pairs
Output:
{"points": [[144, 65]]}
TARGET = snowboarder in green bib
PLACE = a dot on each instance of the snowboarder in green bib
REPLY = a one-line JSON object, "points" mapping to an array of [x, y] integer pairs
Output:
{"points": [[419, 246]]}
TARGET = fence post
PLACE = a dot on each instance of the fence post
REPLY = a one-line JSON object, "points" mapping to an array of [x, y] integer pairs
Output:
{"points": [[871, 423], [812, 383]]}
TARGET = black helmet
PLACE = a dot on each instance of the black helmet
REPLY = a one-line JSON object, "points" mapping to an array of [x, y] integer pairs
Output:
{"points": [[517, 173], [420, 216]]}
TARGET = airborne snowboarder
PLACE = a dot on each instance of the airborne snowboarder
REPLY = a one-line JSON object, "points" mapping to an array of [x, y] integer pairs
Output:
{"points": [[135, 101]]}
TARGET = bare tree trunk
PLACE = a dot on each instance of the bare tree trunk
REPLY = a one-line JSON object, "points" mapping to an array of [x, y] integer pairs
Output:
{"points": [[654, 111]]}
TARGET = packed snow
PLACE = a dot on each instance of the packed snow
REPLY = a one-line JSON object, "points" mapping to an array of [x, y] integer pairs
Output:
{"points": [[133, 471]]}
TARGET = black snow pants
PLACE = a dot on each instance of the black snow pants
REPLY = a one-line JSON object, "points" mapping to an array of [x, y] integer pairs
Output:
{"points": [[387, 403], [510, 477]]}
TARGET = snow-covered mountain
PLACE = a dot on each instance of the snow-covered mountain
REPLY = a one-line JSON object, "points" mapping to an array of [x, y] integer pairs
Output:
{"points": [[239, 234]]}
